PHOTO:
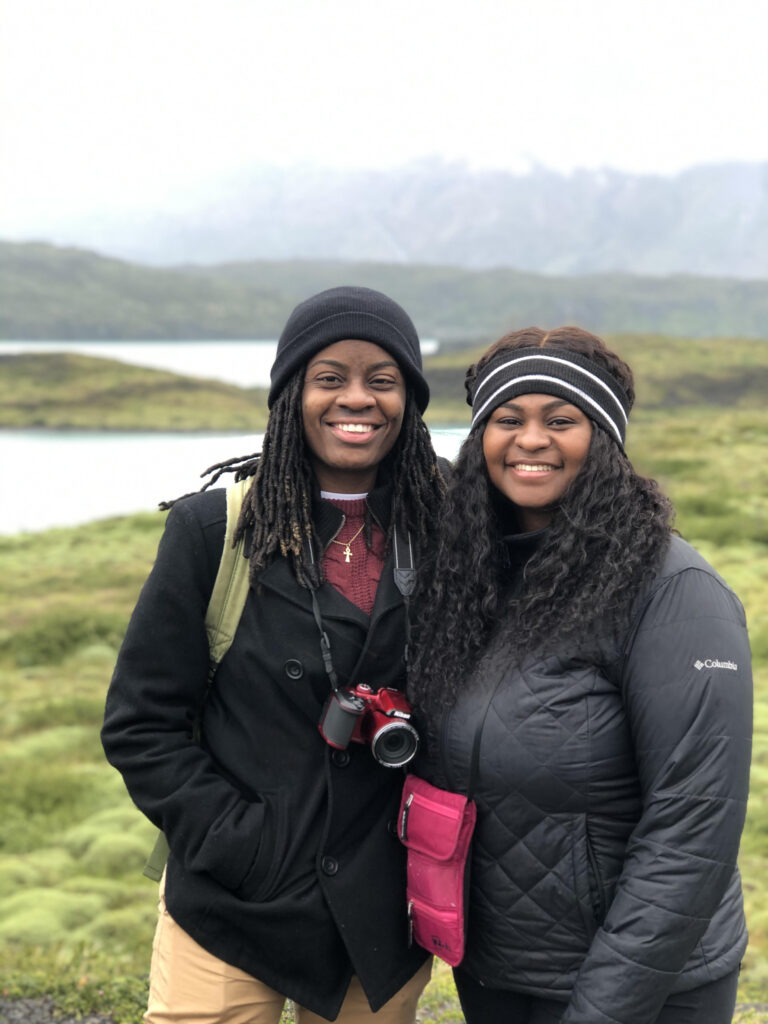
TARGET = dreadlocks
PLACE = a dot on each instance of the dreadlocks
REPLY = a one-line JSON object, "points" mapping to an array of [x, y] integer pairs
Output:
{"points": [[278, 505]]}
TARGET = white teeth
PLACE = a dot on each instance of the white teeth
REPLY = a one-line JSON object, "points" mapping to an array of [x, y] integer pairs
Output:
{"points": [[354, 428], [526, 467]]}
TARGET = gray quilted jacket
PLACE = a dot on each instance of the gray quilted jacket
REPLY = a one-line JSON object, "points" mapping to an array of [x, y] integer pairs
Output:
{"points": [[611, 793]]}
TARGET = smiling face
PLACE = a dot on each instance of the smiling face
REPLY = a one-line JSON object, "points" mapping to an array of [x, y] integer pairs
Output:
{"points": [[534, 446], [352, 407]]}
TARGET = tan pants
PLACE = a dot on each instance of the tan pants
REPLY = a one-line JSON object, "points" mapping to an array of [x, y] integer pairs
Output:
{"points": [[188, 984]]}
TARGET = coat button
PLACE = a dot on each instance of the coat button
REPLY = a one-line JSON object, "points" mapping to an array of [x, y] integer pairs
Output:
{"points": [[293, 669], [340, 758], [329, 865]]}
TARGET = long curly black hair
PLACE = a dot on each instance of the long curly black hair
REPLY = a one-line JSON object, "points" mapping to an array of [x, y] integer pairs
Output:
{"points": [[277, 508], [606, 539]]}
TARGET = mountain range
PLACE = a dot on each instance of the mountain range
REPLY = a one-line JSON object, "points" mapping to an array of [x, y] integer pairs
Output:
{"points": [[707, 220]]}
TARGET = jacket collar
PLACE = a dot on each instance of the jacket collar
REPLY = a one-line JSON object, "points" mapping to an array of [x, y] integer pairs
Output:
{"points": [[515, 547], [328, 518], [518, 549]]}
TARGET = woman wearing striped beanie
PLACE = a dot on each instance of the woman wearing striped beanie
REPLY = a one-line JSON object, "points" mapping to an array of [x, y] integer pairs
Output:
{"points": [[586, 675]]}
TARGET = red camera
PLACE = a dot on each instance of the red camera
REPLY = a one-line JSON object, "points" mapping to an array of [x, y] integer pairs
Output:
{"points": [[380, 718]]}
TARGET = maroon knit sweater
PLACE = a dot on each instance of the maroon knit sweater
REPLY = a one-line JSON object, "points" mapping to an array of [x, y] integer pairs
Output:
{"points": [[358, 578]]}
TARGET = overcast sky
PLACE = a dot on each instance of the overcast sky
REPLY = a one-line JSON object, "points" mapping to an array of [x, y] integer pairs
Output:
{"points": [[134, 104]]}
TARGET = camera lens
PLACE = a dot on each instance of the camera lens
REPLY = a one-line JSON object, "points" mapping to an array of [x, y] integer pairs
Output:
{"points": [[395, 744]]}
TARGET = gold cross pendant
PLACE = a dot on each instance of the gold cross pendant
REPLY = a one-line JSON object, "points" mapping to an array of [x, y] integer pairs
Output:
{"points": [[347, 553]]}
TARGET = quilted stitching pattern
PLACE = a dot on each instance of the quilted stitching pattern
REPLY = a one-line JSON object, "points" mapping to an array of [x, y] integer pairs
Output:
{"points": [[579, 759], [535, 864]]}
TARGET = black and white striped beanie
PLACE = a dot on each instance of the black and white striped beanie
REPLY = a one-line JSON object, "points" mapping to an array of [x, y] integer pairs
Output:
{"points": [[551, 371]]}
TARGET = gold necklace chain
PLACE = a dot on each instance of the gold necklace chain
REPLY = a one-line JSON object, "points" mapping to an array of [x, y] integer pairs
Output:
{"points": [[345, 543]]}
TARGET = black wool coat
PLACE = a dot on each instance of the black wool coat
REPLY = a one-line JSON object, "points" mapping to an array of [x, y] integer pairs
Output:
{"points": [[611, 792], [283, 860]]}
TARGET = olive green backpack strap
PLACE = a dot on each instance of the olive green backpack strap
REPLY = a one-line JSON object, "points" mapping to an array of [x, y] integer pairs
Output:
{"points": [[157, 860], [231, 587], [222, 618]]}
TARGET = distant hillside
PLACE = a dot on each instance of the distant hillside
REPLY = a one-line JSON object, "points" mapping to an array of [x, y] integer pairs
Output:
{"points": [[66, 391], [51, 293], [710, 220]]}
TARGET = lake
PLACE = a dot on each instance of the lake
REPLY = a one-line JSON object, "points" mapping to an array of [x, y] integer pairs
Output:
{"points": [[64, 478], [58, 478]]}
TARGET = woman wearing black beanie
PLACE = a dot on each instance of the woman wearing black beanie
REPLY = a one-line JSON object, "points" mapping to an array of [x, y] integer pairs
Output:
{"points": [[284, 879]]}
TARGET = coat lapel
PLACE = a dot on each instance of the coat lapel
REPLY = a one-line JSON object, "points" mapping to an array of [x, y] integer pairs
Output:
{"points": [[279, 579]]}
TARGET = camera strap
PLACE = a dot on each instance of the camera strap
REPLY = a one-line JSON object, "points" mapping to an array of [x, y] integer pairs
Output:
{"points": [[404, 574], [405, 579]]}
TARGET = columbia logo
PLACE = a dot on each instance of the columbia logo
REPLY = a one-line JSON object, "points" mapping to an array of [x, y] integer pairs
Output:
{"points": [[714, 663]]}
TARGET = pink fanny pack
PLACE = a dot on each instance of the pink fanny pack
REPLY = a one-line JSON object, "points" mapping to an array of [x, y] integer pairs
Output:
{"points": [[436, 826]]}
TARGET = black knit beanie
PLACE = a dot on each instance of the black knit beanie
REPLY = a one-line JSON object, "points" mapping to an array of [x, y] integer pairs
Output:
{"points": [[349, 313]]}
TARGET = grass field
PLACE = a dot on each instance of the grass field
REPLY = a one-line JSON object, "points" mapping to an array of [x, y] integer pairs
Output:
{"points": [[76, 915]]}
